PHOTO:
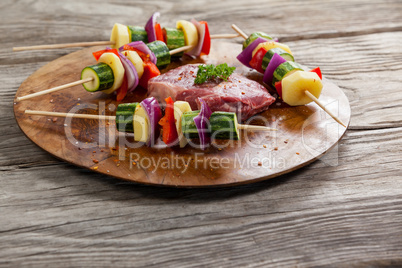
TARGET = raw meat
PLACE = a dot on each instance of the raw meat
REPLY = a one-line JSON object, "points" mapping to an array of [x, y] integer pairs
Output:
{"points": [[239, 94]]}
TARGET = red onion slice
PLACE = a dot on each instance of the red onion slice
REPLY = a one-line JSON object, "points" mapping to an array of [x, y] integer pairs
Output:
{"points": [[272, 65], [131, 72], [246, 55], [151, 106], [202, 123], [196, 51], [141, 46], [150, 27]]}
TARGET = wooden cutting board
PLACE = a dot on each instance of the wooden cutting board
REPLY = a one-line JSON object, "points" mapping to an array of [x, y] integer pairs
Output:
{"points": [[304, 134]]}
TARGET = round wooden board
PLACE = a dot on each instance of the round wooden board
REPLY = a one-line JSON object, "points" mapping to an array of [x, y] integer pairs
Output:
{"points": [[304, 133]]}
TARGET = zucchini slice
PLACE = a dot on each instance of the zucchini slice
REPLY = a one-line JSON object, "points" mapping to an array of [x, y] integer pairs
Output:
{"points": [[277, 50], [137, 33], [254, 36], [161, 52], [102, 76], [174, 38], [117, 67], [125, 117], [224, 126], [188, 126], [285, 69]]}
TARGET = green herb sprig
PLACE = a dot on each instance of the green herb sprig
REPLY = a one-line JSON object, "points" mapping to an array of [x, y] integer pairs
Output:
{"points": [[210, 72]]}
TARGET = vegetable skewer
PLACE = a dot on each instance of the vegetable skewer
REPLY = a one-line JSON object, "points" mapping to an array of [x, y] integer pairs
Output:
{"points": [[111, 117], [192, 33], [139, 63], [287, 73], [99, 43], [179, 124], [82, 81]]}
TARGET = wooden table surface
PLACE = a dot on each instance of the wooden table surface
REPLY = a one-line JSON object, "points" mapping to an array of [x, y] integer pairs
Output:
{"points": [[343, 210]]}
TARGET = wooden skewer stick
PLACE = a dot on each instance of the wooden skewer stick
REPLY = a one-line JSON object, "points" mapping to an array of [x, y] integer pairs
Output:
{"points": [[50, 90], [72, 115], [255, 128], [240, 32], [109, 117], [308, 94], [43, 92], [312, 97], [100, 43], [180, 49], [81, 44], [224, 36]]}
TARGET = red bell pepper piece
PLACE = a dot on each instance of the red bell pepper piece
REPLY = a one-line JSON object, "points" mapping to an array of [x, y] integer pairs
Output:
{"points": [[158, 33], [150, 71], [169, 131], [206, 46], [122, 91], [278, 87], [99, 53], [317, 71], [145, 57], [256, 61], [165, 39]]}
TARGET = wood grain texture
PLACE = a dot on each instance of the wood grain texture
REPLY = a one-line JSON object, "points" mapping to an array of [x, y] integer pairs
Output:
{"points": [[341, 211]]}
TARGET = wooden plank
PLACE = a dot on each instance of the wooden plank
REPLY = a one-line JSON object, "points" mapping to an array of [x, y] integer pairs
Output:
{"points": [[281, 19], [337, 212]]}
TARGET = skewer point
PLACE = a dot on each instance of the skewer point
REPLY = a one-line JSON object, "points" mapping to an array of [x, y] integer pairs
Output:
{"points": [[318, 102], [237, 29], [50, 90]]}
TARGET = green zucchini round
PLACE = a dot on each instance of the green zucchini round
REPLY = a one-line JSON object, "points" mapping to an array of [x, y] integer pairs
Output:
{"points": [[138, 33], [188, 126], [161, 52], [254, 36], [285, 69], [125, 117], [174, 38], [277, 50], [101, 74], [223, 125]]}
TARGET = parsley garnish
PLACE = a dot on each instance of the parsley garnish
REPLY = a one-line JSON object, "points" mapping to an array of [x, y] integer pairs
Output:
{"points": [[210, 72]]}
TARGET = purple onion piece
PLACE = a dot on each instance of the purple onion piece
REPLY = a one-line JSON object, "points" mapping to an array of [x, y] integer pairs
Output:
{"points": [[151, 106], [150, 27], [141, 46], [131, 72], [196, 51], [202, 123], [246, 55], [272, 65]]}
